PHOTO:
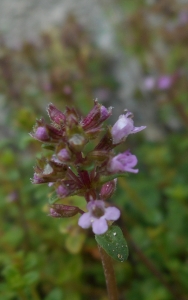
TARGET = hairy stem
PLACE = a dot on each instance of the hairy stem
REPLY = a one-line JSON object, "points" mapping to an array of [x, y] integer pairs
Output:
{"points": [[109, 274]]}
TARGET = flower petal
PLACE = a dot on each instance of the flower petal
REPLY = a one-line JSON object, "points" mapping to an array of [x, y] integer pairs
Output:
{"points": [[85, 220], [137, 129], [112, 213], [99, 226]]}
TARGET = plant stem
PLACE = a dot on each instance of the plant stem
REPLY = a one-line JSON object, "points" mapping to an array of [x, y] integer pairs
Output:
{"points": [[109, 274]]}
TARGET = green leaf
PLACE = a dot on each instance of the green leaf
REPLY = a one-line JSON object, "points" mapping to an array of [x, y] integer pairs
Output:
{"points": [[114, 243], [53, 198], [48, 147]]}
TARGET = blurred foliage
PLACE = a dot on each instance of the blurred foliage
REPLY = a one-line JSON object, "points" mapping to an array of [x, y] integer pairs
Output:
{"points": [[46, 258]]}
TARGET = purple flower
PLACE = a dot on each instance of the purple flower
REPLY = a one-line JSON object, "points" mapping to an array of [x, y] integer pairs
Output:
{"points": [[97, 216], [63, 154], [123, 127], [123, 162], [37, 179], [164, 82], [41, 134], [62, 191]]}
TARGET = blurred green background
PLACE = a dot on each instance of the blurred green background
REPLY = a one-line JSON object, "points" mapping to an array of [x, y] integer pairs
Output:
{"points": [[53, 259]]}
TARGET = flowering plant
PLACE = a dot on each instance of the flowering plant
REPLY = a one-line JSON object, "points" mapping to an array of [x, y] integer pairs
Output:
{"points": [[72, 169]]}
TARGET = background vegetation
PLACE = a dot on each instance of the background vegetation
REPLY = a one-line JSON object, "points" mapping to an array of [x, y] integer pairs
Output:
{"points": [[53, 259]]}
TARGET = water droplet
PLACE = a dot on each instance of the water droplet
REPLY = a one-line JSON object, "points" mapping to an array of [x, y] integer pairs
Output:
{"points": [[113, 250], [114, 233]]}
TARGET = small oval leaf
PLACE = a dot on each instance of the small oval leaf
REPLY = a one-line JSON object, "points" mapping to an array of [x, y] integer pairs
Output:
{"points": [[114, 243]]}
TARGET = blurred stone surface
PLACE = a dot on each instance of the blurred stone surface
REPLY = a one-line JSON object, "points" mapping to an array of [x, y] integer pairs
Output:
{"points": [[24, 20]]}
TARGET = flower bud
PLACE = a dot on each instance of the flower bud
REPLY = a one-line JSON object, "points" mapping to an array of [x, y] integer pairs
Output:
{"points": [[63, 155], [106, 143], [96, 116], [41, 134], [108, 189], [38, 179], [47, 133], [63, 211], [62, 191], [55, 115], [72, 117]]}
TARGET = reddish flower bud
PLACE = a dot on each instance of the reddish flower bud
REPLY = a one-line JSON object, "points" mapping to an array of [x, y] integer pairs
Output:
{"points": [[63, 211], [72, 117], [96, 116], [55, 115], [108, 189], [106, 143], [46, 133]]}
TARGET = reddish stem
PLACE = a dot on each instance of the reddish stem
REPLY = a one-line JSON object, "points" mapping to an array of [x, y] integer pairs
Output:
{"points": [[109, 274]]}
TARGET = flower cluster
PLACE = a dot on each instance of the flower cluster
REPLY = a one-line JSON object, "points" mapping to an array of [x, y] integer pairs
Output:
{"points": [[73, 170]]}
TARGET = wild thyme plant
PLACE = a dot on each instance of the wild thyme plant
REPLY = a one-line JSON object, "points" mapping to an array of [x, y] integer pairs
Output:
{"points": [[73, 170]]}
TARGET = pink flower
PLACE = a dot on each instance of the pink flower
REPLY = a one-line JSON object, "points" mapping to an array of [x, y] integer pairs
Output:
{"points": [[123, 127], [97, 216], [123, 162]]}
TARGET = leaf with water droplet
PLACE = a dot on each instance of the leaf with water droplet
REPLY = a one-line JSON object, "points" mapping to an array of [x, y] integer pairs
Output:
{"points": [[114, 243]]}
